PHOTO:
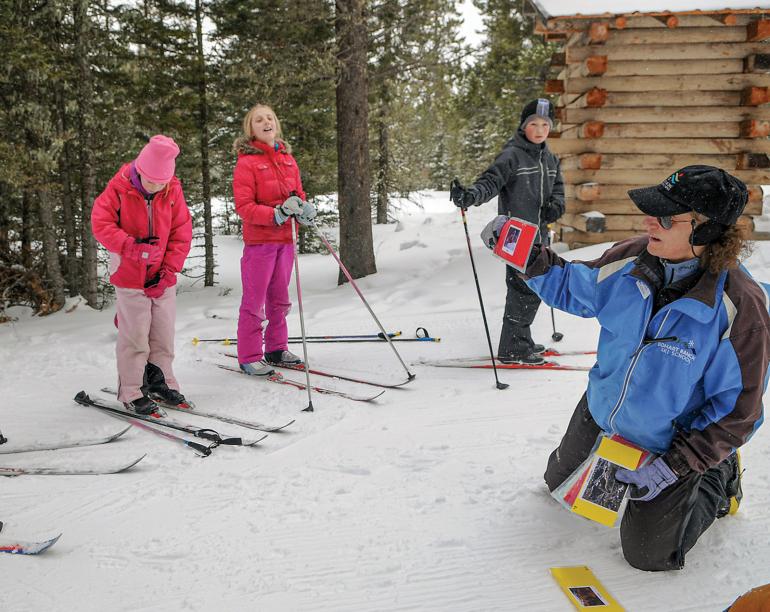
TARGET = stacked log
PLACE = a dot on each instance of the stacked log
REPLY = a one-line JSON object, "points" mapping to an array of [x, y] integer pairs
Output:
{"points": [[643, 95]]}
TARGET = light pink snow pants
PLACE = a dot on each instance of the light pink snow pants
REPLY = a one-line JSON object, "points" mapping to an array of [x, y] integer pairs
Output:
{"points": [[265, 274], [145, 334]]}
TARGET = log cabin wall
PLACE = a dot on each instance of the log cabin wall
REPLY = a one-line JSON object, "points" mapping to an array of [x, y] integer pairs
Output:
{"points": [[643, 95]]}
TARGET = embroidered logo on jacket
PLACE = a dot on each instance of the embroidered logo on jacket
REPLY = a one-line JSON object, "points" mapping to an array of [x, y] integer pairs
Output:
{"points": [[643, 289], [681, 349]]}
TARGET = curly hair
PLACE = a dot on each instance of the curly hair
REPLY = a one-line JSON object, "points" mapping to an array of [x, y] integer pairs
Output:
{"points": [[728, 250]]}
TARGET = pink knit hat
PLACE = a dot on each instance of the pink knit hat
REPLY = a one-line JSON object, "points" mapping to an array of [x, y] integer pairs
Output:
{"points": [[155, 161]]}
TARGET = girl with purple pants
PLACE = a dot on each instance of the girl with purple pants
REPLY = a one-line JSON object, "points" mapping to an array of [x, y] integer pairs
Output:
{"points": [[267, 190]]}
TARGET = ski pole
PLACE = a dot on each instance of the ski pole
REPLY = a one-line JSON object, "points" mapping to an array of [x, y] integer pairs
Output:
{"points": [[200, 449], [555, 336], [346, 336], [362, 340], [481, 301], [301, 315], [225, 341], [361, 295], [339, 338]]}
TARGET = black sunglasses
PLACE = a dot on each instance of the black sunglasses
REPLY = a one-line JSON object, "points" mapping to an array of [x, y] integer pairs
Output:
{"points": [[668, 221]]}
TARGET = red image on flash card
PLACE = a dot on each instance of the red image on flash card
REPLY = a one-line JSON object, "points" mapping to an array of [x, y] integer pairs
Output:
{"points": [[515, 242]]}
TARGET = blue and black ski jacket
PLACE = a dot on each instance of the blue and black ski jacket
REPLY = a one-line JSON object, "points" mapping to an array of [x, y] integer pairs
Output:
{"points": [[685, 381]]}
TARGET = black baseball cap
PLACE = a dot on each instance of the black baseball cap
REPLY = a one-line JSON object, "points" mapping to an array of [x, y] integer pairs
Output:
{"points": [[707, 190]]}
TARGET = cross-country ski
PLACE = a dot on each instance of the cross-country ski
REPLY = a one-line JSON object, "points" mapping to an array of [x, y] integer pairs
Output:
{"points": [[219, 417], [105, 467], [26, 448], [353, 379], [19, 547], [281, 380], [487, 364]]}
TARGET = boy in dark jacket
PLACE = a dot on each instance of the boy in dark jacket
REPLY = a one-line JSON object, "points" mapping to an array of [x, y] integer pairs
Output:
{"points": [[527, 178]]}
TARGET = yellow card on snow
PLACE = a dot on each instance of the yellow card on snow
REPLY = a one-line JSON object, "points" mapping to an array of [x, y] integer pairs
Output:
{"points": [[584, 590]]}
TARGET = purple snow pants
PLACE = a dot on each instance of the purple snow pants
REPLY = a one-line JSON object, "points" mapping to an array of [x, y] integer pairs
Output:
{"points": [[265, 274], [145, 334]]}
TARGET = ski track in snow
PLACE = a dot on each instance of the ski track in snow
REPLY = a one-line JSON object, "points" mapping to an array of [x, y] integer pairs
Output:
{"points": [[430, 498]]}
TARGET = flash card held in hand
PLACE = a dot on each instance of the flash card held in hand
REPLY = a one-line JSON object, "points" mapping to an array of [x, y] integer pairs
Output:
{"points": [[515, 242]]}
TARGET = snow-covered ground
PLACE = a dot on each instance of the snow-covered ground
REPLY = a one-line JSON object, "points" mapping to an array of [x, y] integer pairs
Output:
{"points": [[430, 499]]}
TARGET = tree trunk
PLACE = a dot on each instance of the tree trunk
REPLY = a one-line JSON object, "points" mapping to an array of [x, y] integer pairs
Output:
{"points": [[383, 156], [26, 232], [67, 200], [383, 183], [88, 279], [5, 222], [53, 273], [356, 243], [203, 127]]}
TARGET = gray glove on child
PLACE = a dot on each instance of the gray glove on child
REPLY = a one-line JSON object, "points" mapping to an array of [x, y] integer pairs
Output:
{"points": [[307, 215], [293, 205], [491, 231]]}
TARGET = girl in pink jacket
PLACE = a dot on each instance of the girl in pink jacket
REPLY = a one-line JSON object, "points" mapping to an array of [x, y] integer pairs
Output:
{"points": [[267, 190], [142, 219]]}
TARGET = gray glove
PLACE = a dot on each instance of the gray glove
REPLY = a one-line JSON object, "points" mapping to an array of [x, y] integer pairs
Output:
{"points": [[307, 215], [491, 231], [293, 205]]}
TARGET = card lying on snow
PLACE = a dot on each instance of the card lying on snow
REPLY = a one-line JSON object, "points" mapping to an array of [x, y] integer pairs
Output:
{"points": [[583, 589], [515, 242], [592, 490]]}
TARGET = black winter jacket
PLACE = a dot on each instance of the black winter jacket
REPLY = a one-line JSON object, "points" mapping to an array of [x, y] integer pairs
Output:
{"points": [[527, 178]]}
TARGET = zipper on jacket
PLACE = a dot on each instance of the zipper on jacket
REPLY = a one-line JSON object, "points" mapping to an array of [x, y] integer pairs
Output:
{"points": [[540, 208], [645, 342], [149, 217]]}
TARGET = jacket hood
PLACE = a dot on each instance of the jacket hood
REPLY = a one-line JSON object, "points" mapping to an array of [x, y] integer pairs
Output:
{"points": [[250, 146], [520, 140]]}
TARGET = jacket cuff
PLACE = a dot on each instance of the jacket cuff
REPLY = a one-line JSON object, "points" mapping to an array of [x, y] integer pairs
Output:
{"points": [[676, 461]]}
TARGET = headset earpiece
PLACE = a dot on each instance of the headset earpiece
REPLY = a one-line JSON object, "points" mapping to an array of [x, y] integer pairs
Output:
{"points": [[706, 232]]}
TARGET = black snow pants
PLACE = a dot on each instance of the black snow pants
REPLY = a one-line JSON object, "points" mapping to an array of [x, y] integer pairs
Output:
{"points": [[654, 535], [521, 304]]}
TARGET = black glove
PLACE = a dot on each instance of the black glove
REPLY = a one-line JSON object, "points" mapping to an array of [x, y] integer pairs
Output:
{"points": [[550, 212], [462, 197], [534, 254]]}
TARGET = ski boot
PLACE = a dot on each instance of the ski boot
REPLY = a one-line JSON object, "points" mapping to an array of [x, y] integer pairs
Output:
{"points": [[283, 358], [733, 489], [532, 359], [142, 405], [257, 368]]}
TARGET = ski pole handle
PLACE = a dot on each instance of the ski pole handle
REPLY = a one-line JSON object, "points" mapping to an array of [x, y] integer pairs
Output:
{"points": [[203, 451]]}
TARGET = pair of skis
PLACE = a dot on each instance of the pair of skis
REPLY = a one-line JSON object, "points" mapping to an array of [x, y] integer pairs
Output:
{"points": [[142, 421], [324, 373], [19, 547], [486, 362], [191, 409], [114, 468], [279, 379]]}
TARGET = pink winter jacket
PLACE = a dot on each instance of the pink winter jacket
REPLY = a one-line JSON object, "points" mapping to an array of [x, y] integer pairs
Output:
{"points": [[120, 213], [262, 180]]}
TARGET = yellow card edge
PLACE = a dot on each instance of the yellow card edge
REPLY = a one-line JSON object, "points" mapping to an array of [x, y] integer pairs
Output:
{"points": [[596, 513], [621, 454]]}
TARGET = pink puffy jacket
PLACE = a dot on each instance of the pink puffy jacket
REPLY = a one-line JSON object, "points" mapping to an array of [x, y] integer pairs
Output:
{"points": [[120, 213], [262, 180]]}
